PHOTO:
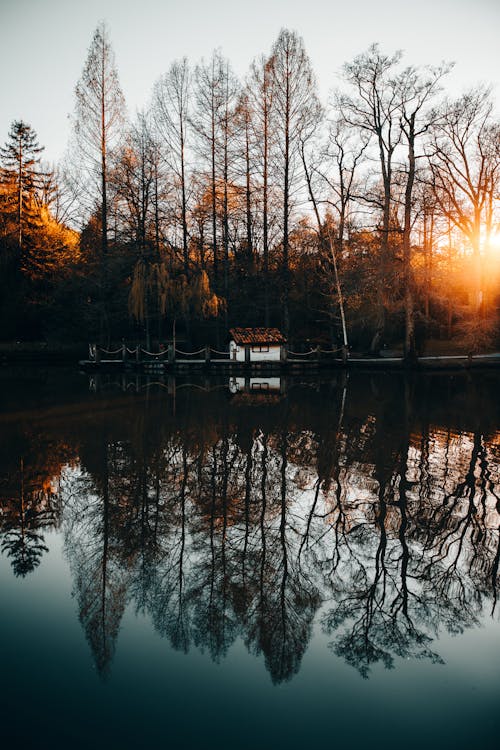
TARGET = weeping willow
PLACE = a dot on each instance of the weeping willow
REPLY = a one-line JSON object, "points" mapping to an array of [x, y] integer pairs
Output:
{"points": [[137, 299], [206, 301], [175, 295]]}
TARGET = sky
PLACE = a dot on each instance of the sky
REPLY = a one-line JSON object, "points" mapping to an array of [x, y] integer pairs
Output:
{"points": [[44, 44]]}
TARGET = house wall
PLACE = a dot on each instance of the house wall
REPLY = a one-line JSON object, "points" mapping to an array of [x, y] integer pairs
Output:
{"points": [[273, 355]]}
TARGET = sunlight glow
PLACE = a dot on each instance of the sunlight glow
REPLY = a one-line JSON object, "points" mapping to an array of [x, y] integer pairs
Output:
{"points": [[494, 242]]}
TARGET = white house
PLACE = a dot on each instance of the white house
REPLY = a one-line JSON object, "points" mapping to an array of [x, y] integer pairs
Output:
{"points": [[256, 344]]}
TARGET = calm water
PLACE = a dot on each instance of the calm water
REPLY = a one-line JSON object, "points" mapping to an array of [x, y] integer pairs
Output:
{"points": [[311, 565]]}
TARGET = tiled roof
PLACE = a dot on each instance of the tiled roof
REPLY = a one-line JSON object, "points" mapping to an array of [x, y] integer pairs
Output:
{"points": [[257, 335]]}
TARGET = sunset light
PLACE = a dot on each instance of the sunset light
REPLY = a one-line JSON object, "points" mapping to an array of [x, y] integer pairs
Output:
{"points": [[494, 242]]}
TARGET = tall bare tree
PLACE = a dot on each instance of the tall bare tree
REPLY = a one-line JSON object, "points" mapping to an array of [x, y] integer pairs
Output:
{"points": [[296, 107], [134, 184], [244, 125], [98, 123], [230, 91], [171, 108], [339, 168], [207, 117], [260, 92], [373, 108], [417, 89]]}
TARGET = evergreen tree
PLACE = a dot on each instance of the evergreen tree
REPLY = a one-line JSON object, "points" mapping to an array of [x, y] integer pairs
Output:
{"points": [[21, 179]]}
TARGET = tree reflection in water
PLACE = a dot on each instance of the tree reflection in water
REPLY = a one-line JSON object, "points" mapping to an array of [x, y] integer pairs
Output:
{"points": [[372, 503]]}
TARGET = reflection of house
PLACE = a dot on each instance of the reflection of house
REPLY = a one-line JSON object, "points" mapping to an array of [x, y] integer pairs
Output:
{"points": [[255, 385], [256, 344]]}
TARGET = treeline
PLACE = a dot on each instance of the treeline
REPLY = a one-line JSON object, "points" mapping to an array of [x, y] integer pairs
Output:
{"points": [[371, 222]]}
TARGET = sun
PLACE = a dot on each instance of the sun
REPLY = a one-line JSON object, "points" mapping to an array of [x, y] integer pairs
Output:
{"points": [[492, 256], [494, 242]]}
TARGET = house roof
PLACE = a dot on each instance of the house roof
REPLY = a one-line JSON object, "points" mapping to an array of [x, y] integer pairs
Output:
{"points": [[257, 335]]}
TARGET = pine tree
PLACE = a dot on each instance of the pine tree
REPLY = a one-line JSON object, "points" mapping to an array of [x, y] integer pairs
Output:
{"points": [[21, 179]]}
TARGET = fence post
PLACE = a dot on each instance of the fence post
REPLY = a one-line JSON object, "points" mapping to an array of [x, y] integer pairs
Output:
{"points": [[207, 354], [171, 354], [247, 354], [283, 353], [138, 354], [97, 355], [171, 385], [124, 351]]}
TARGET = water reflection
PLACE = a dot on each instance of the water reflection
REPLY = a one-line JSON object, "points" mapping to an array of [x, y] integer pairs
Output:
{"points": [[224, 517]]}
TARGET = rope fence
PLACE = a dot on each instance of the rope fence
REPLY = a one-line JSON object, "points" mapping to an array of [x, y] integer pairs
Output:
{"points": [[330, 351], [154, 354], [97, 352], [302, 354], [110, 353], [190, 354]]}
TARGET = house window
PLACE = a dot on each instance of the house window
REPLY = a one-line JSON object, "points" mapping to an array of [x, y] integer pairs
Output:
{"points": [[260, 348]]}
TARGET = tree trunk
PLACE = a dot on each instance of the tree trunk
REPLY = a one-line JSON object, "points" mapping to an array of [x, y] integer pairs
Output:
{"points": [[409, 344]]}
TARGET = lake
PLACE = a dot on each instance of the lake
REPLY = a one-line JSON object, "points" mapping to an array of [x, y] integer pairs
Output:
{"points": [[250, 563]]}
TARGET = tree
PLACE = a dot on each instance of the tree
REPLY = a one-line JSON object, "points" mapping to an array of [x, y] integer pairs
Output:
{"points": [[20, 536], [171, 111], [230, 90], [99, 119], [326, 242], [342, 159], [98, 125], [260, 96], [465, 163], [244, 126], [36, 250], [134, 184], [416, 91], [207, 118], [20, 157], [296, 107], [373, 108], [175, 294]]}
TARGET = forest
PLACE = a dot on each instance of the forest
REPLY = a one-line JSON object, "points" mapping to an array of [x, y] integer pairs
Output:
{"points": [[371, 221]]}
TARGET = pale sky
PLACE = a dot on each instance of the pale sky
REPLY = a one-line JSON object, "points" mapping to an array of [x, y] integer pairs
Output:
{"points": [[44, 43]]}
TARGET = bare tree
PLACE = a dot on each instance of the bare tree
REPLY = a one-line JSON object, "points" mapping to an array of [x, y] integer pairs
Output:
{"points": [[134, 183], [171, 107], [244, 125], [99, 119], [416, 91], [206, 120], [465, 163], [260, 92], [373, 108], [296, 107], [342, 158], [326, 240], [230, 90]]}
